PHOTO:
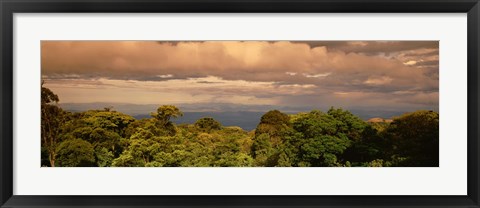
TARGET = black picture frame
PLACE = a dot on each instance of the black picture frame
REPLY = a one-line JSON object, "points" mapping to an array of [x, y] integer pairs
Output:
{"points": [[10, 7]]}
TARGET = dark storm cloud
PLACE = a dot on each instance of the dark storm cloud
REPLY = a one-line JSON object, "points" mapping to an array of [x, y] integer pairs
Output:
{"points": [[427, 63], [418, 54], [373, 47]]}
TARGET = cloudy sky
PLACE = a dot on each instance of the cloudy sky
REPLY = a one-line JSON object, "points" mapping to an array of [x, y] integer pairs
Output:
{"points": [[385, 75]]}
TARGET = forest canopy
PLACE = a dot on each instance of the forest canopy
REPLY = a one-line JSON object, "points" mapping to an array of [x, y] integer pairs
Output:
{"points": [[336, 138]]}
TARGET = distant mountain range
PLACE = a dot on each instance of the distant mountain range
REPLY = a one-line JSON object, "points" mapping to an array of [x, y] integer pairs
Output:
{"points": [[134, 109], [247, 120], [244, 116]]}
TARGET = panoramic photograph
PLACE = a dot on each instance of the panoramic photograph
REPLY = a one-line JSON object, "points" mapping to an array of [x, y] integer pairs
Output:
{"points": [[283, 103]]}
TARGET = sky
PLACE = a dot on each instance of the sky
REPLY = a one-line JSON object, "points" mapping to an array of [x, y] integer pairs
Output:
{"points": [[383, 75]]}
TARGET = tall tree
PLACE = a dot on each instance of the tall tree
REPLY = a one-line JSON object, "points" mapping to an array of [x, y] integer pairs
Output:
{"points": [[269, 136], [164, 114], [52, 119]]}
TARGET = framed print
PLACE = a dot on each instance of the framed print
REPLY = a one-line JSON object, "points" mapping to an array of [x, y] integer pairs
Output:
{"points": [[247, 104]]}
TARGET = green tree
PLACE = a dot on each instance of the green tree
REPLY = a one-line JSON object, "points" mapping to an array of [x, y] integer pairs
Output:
{"points": [[126, 159], [262, 150], [75, 153], [415, 138], [352, 126], [208, 124], [100, 128], [322, 137], [164, 114], [103, 157], [234, 160], [370, 146], [52, 119], [273, 122], [269, 136]]}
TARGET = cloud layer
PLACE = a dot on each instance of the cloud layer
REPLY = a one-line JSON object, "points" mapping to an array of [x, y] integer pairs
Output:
{"points": [[401, 74]]}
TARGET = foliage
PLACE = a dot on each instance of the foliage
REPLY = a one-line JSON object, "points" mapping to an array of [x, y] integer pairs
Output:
{"points": [[415, 137], [337, 138], [207, 124], [164, 114], [53, 117], [324, 136], [75, 153]]}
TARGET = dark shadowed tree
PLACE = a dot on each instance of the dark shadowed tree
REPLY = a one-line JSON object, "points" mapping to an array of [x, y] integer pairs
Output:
{"points": [[415, 137], [208, 124], [269, 136]]}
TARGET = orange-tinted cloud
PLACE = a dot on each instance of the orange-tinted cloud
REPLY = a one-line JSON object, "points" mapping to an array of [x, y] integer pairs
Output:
{"points": [[366, 69]]}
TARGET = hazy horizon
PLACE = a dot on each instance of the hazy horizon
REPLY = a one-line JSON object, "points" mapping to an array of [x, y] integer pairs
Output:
{"points": [[244, 116]]}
